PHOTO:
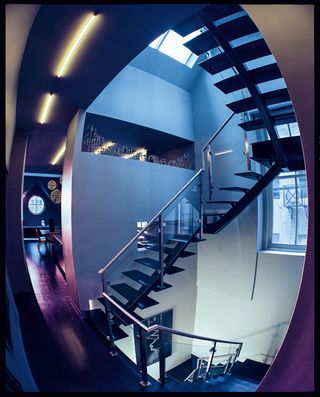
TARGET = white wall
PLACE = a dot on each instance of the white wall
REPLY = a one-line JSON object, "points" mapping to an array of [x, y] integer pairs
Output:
{"points": [[141, 98], [225, 279], [109, 195]]}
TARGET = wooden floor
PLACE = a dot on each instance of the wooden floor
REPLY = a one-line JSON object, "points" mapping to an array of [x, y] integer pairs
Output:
{"points": [[65, 354]]}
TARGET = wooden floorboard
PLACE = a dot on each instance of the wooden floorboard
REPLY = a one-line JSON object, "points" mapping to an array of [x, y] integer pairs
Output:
{"points": [[64, 352]]}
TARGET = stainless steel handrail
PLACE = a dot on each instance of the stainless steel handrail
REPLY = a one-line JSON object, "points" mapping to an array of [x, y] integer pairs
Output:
{"points": [[218, 131], [102, 270], [166, 329]]}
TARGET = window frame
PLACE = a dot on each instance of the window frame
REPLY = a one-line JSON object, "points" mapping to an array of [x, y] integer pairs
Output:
{"points": [[268, 215], [44, 205]]}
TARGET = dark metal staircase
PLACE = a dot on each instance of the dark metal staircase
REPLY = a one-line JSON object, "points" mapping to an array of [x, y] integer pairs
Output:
{"points": [[273, 108], [153, 252]]}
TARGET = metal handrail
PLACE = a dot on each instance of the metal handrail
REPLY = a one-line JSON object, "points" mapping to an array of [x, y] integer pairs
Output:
{"points": [[162, 328], [102, 270], [218, 131]]}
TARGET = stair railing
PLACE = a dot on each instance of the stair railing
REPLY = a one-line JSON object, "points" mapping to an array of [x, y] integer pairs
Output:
{"points": [[143, 331], [207, 148]]}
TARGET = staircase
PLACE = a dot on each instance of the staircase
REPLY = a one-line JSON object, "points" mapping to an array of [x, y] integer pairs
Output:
{"points": [[227, 41]]}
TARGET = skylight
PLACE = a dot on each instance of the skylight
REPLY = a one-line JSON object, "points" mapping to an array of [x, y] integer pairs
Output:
{"points": [[171, 44]]}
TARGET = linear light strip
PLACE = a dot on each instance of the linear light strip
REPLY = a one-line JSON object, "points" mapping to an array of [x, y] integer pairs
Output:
{"points": [[75, 45], [59, 154], [46, 107], [219, 153]]}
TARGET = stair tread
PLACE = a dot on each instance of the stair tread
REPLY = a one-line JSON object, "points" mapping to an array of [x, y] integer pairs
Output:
{"points": [[202, 43], [140, 277], [246, 52], [222, 202], [125, 290], [148, 262], [131, 294], [173, 270], [263, 160], [118, 313], [235, 189], [258, 75], [238, 27], [97, 318], [276, 120], [269, 98], [250, 175], [214, 12]]}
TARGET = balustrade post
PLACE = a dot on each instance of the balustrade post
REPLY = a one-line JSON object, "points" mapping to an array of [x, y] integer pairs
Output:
{"points": [[209, 160], [162, 359], [143, 358], [212, 351], [201, 208], [113, 352], [161, 255]]}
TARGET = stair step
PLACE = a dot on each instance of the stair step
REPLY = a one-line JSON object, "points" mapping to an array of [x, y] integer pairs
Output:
{"points": [[97, 318], [148, 262], [246, 52], [140, 277], [236, 189], [174, 269], [276, 120], [258, 75], [118, 313], [263, 151], [180, 239], [131, 294], [222, 202], [126, 291], [267, 162], [250, 175], [214, 12], [238, 27], [269, 98], [202, 43]]}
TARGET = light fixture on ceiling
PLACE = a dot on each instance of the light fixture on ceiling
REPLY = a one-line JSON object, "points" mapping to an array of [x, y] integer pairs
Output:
{"points": [[75, 44], [46, 107], [59, 154], [220, 153]]}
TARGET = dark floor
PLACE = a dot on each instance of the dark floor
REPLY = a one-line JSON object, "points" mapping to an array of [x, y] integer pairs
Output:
{"points": [[65, 354]]}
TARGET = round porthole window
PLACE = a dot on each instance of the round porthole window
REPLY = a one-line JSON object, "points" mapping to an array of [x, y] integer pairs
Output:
{"points": [[36, 205]]}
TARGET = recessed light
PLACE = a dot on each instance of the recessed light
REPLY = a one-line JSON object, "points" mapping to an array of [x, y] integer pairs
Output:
{"points": [[46, 107]]}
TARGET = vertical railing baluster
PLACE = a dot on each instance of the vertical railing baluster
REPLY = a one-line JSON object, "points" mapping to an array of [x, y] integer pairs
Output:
{"points": [[143, 358], [212, 351], [201, 208], [113, 351], [162, 359], [161, 256], [209, 161]]}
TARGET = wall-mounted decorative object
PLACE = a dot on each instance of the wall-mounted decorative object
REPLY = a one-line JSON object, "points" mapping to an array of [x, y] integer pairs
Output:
{"points": [[52, 184], [108, 136], [56, 196], [153, 338]]}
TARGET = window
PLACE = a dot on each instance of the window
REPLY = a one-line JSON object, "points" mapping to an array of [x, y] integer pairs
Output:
{"points": [[287, 212], [286, 130], [36, 205], [171, 44]]}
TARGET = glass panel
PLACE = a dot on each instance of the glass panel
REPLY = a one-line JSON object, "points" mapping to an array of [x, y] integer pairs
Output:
{"points": [[283, 130], [294, 129], [138, 268], [302, 210], [284, 212], [290, 209]]}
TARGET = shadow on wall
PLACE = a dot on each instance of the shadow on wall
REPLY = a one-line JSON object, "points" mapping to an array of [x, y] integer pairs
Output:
{"points": [[278, 333]]}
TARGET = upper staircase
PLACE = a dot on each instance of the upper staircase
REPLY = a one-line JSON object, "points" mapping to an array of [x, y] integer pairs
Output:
{"points": [[231, 49]]}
